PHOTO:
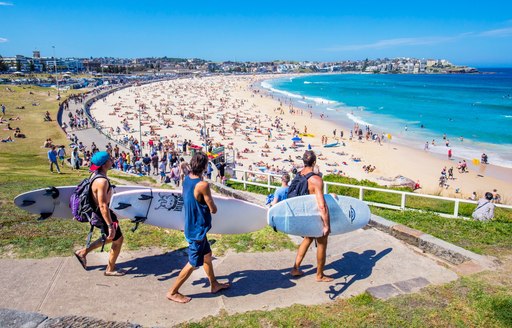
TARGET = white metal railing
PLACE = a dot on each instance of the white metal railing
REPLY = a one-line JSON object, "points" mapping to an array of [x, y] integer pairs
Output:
{"points": [[269, 177]]}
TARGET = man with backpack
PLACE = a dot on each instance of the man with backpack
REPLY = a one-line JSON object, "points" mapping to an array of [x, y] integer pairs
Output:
{"points": [[306, 182], [100, 195]]}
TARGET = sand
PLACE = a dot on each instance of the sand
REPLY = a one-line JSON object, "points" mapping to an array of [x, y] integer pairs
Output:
{"points": [[256, 126]]}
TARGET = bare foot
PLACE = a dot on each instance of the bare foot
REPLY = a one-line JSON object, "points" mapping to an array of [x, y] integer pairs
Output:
{"points": [[217, 287], [296, 273], [178, 298], [324, 279]]}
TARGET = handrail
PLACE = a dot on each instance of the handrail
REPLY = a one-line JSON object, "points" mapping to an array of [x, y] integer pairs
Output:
{"points": [[362, 189]]}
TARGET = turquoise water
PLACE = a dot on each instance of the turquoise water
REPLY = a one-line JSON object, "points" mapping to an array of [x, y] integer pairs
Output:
{"points": [[416, 108]]}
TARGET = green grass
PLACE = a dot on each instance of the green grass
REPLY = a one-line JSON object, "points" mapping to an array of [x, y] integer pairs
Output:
{"points": [[491, 238], [24, 167], [467, 302]]}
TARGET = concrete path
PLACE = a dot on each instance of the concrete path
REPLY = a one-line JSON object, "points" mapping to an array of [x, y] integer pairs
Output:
{"points": [[260, 281]]}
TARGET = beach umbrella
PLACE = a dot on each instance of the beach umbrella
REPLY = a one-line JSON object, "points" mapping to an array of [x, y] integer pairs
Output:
{"points": [[296, 139]]}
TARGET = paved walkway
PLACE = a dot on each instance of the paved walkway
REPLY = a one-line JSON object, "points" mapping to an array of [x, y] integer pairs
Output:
{"points": [[260, 281]]}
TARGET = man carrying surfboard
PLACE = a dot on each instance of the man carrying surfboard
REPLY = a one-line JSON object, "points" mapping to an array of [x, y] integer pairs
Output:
{"points": [[101, 193], [315, 186], [199, 207]]}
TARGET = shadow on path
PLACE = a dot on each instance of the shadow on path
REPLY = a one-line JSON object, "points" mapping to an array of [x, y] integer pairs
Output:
{"points": [[164, 266], [353, 266], [251, 282]]}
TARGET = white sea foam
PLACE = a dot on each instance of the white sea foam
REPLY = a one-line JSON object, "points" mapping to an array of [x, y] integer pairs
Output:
{"points": [[507, 116], [328, 108], [307, 82], [302, 102], [358, 120], [316, 100]]}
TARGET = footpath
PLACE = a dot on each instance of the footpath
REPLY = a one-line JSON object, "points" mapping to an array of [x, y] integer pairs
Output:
{"points": [[385, 260]]}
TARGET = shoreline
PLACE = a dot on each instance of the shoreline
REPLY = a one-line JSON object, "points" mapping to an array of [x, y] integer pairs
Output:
{"points": [[258, 115], [339, 112], [497, 171]]}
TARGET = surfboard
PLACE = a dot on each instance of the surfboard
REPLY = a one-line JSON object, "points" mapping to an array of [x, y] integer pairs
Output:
{"points": [[334, 144], [164, 208], [54, 201], [300, 216]]}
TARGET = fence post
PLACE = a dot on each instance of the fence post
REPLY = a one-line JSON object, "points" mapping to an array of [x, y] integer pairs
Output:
{"points": [[456, 208], [268, 181], [245, 179], [361, 193], [402, 203], [325, 187]]}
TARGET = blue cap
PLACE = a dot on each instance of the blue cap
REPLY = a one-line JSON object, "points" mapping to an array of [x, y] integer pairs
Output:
{"points": [[98, 159]]}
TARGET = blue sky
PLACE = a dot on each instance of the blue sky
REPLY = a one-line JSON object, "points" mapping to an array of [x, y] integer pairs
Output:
{"points": [[477, 33]]}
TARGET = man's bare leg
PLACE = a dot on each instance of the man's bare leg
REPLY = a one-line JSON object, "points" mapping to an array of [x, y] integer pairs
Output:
{"points": [[321, 252], [301, 252], [114, 254], [95, 244], [208, 269], [173, 293]]}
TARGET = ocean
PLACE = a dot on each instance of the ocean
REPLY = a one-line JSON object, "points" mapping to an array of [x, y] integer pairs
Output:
{"points": [[415, 108]]}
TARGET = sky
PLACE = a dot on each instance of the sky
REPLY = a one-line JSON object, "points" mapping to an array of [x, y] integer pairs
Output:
{"points": [[473, 33]]}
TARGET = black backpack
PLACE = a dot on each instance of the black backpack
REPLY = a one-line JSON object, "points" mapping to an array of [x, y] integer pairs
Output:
{"points": [[299, 185]]}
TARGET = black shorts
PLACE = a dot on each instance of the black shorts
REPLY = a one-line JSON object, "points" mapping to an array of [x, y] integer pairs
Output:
{"points": [[104, 228]]}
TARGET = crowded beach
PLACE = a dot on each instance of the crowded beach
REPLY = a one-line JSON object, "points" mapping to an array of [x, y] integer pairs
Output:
{"points": [[268, 133]]}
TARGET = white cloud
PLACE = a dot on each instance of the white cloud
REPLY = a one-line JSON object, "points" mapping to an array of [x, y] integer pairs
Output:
{"points": [[388, 43], [498, 32], [6, 4], [2, 40], [416, 41]]}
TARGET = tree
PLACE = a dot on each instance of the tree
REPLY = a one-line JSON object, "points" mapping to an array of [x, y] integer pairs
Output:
{"points": [[32, 67], [3, 65], [18, 65]]}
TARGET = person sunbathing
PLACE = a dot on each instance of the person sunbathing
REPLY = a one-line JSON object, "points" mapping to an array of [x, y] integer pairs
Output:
{"points": [[18, 134]]}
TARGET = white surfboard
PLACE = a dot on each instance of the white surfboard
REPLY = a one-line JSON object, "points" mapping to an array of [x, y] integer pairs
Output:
{"points": [[300, 216], [164, 208], [54, 201]]}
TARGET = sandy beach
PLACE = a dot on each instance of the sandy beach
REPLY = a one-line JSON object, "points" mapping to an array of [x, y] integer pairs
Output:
{"points": [[259, 128]]}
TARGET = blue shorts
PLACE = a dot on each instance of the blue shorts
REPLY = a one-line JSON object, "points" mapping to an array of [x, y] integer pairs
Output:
{"points": [[162, 174], [196, 252]]}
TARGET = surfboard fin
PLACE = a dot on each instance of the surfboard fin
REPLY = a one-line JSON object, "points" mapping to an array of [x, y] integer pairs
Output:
{"points": [[140, 219], [122, 206], [27, 202], [145, 197], [53, 192], [273, 224], [44, 216]]}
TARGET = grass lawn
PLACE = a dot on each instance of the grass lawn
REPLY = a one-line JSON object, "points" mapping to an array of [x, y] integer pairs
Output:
{"points": [[24, 167]]}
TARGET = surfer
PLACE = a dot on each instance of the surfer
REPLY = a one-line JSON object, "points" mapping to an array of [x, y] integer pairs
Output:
{"points": [[315, 186], [101, 191], [199, 207]]}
